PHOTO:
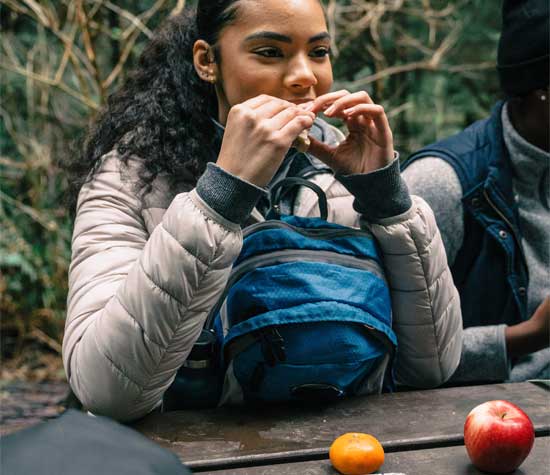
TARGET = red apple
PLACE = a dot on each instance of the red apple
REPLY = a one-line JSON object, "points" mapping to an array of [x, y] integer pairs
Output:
{"points": [[498, 436]]}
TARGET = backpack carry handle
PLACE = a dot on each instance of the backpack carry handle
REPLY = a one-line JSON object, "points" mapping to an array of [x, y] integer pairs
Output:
{"points": [[280, 188]]}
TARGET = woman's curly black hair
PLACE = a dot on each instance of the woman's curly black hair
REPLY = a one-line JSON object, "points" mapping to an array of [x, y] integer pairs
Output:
{"points": [[162, 114]]}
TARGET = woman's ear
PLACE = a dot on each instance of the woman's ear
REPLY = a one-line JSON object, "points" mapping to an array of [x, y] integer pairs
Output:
{"points": [[204, 61]]}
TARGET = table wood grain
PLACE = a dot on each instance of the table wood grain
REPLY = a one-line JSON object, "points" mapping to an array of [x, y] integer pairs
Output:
{"points": [[437, 461], [233, 437]]}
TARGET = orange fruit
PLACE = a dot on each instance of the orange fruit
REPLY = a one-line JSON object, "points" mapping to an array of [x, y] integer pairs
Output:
{"points": [[355, 453]]}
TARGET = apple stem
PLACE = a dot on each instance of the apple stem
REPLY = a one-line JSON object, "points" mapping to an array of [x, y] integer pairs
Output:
{"points": [[503, 415]]}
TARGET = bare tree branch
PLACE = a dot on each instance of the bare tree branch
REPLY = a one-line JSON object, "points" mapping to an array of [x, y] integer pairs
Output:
{"points": [[66, 53], [31, 212], [52, 82], [180, 5], [134, 20], [89, 48], [49, 341], [8, 162], [331, 14], [401, 68], [42, 14], [130, 44]]}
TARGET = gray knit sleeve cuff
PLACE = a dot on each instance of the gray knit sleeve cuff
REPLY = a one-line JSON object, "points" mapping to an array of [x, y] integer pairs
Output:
{"points": [[484, 358], [227, 194], [379, 194]]}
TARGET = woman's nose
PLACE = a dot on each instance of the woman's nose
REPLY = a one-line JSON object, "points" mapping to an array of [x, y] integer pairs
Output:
{"points": [[300, 74]]}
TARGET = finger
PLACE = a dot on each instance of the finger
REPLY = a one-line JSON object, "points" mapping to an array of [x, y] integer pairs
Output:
{"points": [[271, 108], [382, 124], [349, 101], [324, 101], [374, 112], [368, 110], [359, 123], [363, 109], [282, 118], [294, 127]]}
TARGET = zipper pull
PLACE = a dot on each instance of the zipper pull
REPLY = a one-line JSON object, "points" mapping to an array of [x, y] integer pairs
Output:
{"points": [[278, 343], [273, 346]]}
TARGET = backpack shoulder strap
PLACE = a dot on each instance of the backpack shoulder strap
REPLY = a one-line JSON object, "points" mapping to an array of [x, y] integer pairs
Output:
{"points": [[279, 189]]}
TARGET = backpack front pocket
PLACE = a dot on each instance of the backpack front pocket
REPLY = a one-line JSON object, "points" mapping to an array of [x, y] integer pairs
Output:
{"points": [[320, 350]]}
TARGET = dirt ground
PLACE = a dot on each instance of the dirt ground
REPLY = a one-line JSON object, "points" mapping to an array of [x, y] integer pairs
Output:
{"points": [[33, 388], [24, 403]]}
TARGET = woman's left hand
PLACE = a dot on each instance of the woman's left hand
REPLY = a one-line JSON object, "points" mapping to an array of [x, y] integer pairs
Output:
{"points": [[369, 144]]}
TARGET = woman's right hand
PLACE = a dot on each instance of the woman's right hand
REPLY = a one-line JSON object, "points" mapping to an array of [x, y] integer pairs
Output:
{"points": [[258, 134]]}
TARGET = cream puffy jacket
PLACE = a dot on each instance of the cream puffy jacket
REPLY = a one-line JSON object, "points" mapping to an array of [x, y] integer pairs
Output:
{"points": [[145, 273]]}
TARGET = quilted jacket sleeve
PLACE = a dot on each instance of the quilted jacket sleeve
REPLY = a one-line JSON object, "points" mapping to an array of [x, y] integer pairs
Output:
{"points": [[426, 306], [136, 302]]}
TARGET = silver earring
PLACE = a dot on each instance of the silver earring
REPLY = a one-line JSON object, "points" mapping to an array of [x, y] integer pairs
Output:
{"points": [[543, 97]]}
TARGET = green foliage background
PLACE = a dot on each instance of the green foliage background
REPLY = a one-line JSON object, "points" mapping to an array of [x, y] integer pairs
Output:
{"points": [[429, 62]]}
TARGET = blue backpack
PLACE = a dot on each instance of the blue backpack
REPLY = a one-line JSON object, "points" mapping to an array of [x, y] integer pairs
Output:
{"points": [[306, 312], [305, 315]]}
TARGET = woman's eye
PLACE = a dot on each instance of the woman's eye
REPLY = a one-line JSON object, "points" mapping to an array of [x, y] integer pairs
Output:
{"points": [[269, 52], [320, 52]]}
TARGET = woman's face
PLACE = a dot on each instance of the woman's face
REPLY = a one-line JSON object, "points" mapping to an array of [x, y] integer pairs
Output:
{"points": [[274, 47]]}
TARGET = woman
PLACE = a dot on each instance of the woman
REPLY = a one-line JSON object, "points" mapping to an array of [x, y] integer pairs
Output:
{"points": [[177, 164]]}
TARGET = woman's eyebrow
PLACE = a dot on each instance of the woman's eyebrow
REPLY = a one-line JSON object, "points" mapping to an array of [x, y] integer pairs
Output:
{"points": [[272, 35], [320, 36]]}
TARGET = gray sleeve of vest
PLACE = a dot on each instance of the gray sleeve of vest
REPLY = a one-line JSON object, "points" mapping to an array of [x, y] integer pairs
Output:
{"points": [[434, 180], [484, 357], [532, 366]]}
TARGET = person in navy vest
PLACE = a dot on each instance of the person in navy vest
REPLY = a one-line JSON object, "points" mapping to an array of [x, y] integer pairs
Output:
{"points": [[489, 189]]}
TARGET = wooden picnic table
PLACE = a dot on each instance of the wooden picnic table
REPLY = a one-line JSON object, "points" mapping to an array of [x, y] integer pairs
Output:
{"points": [[421, 431], [435, 461]]}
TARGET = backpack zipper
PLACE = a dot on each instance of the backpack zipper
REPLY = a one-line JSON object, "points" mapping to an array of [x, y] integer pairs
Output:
{"points": [[273, 349], [287, 256], [273, 345], [311, 232]]}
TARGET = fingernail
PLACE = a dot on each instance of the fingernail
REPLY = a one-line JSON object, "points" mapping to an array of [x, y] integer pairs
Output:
{"points": [[330, 110]]}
